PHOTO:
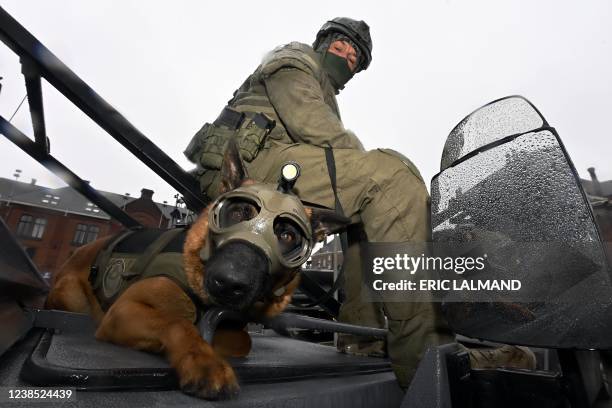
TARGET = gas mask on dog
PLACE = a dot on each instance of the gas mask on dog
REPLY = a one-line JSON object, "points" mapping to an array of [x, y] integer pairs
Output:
{"points": [[275, 222]]}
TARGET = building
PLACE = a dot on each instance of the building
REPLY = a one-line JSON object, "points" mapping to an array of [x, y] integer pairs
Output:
{"points": [[328, 257], [51, 223], [596, 188], [600, 196]]}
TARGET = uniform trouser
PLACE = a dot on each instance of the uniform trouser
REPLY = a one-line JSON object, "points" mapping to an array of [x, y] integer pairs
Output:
{"points": [[385, 193], [354, 309]]}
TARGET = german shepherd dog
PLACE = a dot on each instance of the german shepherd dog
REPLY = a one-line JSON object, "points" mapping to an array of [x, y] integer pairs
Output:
{"points": [[156, 315]]}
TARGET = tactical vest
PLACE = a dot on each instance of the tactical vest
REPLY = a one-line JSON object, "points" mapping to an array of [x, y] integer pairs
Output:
{"points": [[207, 146], [134, 255], [252, 96]]}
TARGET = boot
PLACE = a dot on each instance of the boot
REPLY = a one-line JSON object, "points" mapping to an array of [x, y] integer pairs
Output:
{"points": [[361, 346], [506, 356]]}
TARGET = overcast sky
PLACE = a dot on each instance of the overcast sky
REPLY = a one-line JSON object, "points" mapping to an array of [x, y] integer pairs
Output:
{"points": [[171, 66]]}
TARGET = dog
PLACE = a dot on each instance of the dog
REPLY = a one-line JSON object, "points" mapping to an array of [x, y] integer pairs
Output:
{"points": [[156, 314]]}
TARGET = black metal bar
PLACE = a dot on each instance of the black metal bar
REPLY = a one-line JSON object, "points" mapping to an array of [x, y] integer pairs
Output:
{"points": [[24, 44], [35, 101], [295, 321], [24, 143], [314, 291], [210, 320]]}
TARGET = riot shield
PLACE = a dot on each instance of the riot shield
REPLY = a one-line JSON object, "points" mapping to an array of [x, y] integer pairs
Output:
{"points": [[508, 184]]}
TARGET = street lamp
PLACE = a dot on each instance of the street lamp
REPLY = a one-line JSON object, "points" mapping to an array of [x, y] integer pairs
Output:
{"points": [[126, 197]]}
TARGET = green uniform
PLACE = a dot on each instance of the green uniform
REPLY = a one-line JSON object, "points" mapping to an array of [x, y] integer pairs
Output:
{"points": [[380, 188]]}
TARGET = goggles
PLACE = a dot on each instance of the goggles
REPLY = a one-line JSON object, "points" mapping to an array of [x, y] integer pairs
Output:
{"points": [[273, 220]]}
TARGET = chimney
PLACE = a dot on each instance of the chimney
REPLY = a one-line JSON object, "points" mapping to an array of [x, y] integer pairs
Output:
{"points": [[596, 186], [33, 182], [146, 194]]}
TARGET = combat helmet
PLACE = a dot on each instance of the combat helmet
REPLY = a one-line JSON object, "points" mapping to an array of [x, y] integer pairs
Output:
{"points": [[357, 31]]}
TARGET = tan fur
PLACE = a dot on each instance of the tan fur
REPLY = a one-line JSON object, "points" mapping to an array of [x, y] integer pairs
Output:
{"points": [[195, 240], [156, 315], [278, 303], [71, 289], [319, 234]]}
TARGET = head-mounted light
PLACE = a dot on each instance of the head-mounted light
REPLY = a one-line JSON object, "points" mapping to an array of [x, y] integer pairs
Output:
{"points": [[274, 221], [289, 175]]}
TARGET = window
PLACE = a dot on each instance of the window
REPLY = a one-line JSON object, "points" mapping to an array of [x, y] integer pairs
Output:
{"points": [[92, 233], [79, 234], [39, 228], [29, 227], [85, 234], [24, 228]]}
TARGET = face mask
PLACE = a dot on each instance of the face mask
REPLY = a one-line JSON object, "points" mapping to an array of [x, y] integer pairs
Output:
{"points": [[272, 206], [337, 68]]}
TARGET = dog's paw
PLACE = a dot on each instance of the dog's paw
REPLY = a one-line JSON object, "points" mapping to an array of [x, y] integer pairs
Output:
{"points": [[207, 377]]}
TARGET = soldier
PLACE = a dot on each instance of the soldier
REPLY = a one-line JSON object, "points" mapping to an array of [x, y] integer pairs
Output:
{"points": [[286, 110]]}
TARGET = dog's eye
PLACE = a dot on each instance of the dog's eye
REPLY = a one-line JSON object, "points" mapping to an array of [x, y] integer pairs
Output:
{"points": [[287, 236], [236, 211], [236, 215], [290, 239]]}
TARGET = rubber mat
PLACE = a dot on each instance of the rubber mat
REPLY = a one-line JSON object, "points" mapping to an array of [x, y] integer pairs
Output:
{"points": [[80, 361]]}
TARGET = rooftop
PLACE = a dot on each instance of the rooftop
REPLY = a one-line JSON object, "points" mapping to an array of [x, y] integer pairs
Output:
{"points": [[65, 199]]}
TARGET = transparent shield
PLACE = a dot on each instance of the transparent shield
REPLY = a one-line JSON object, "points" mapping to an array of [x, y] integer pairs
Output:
{"points": [[520, 198], [491, 123]]}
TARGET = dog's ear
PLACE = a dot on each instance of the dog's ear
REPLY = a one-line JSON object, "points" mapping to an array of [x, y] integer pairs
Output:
{"points": [[233, 172], [325, 222]]}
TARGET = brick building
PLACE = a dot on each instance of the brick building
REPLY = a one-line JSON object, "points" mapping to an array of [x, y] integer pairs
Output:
{"points": [[51, 223]]}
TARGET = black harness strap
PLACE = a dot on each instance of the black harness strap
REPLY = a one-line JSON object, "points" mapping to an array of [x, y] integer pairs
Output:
{"points": [[152, 250], [331, 169]]}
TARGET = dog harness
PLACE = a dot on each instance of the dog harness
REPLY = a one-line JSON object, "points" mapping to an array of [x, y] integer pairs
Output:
{"points": [[134, 255]]}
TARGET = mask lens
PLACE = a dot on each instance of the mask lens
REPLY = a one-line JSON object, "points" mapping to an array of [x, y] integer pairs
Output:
{"points": [[291, 239], [235, 210]]}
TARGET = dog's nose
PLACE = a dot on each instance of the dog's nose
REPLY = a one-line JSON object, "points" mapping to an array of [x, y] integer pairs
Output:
{"points": [[236, 274], [229, 286]]}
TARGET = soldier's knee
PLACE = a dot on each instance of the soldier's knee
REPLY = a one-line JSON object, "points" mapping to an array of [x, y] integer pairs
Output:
{"points": [[396, 173], [392, 165]]}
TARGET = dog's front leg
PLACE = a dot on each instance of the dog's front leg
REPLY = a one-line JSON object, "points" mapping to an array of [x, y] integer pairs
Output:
{"points": [[144, 326]]}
